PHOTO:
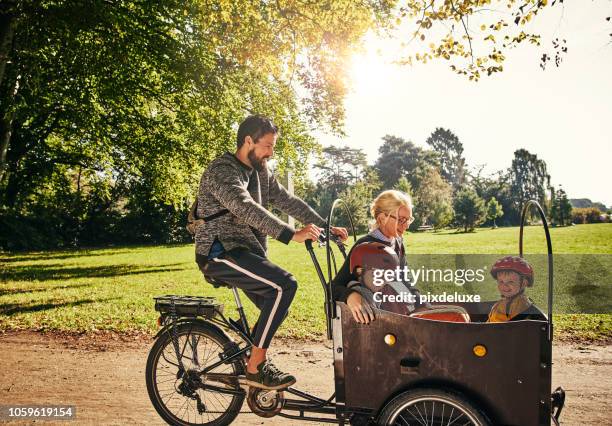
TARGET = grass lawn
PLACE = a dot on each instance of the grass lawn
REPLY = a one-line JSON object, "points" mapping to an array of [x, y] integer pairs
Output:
{"points": [[112, 289]]}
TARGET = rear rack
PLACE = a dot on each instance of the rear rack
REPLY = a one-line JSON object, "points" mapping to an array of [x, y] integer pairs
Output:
{"points": [[188, 306]]}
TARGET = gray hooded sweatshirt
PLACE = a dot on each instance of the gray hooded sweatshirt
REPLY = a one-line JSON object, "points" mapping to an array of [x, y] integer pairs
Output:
{"points": [[230, 184]]}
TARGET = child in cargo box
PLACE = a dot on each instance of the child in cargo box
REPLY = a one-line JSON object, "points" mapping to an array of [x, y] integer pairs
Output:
{"points": [[513, 274]]}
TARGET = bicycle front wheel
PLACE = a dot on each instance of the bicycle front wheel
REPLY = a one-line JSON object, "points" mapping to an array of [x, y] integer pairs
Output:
{"points": [[189, 397], [431, 407]]}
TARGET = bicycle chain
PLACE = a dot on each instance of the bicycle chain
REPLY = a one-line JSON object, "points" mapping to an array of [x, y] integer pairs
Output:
{"points": [[229, 411]]}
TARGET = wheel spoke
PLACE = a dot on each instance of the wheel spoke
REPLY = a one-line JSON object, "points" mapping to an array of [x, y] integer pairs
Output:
{"points": [[209, 352], [171, 379], [461, 415], [433, 409], [414, 417], [404, 420], [424, 421], [451, 415]]}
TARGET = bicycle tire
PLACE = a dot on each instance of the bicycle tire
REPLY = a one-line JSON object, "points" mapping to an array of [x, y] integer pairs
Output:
{"points": [[163, 348], [404, 409]]}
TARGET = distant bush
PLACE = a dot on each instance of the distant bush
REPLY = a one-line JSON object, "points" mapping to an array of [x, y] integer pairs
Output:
{"points": [[44, 229], [588, 215], [18, 232]]}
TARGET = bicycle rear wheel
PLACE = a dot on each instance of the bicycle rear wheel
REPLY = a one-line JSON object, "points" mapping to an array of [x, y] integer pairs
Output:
{"points": [[185, 397]]}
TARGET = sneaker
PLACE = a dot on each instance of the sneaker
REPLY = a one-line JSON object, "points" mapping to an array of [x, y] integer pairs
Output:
{"points": [[269, 377]]}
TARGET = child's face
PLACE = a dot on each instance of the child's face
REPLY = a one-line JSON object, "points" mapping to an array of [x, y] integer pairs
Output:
{"points": [[509, 283]]}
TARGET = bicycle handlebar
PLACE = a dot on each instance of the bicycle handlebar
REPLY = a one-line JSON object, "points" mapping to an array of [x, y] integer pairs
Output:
{"points": [[323, 240]]}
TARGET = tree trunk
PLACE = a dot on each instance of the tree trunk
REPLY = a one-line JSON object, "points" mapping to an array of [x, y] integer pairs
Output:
{"points": [[8, 23], [6, 130]]}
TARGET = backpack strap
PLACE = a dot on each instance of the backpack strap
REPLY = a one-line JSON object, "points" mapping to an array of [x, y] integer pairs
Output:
{"points": [[215, 215], [193, 221], [193, 213]]}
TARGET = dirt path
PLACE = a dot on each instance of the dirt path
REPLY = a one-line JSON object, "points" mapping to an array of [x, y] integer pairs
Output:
{"points": [[104, 377]]}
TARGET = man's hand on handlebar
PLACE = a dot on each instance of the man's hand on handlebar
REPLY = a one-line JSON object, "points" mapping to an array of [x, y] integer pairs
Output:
{"points": [[313, 232], [342, 233], [309, 232]]}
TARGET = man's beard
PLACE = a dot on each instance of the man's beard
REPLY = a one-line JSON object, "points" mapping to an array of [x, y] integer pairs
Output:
{"points": [[258, 164]]}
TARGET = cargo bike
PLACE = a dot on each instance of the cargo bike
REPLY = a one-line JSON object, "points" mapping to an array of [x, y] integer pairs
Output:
{"points": [[398, 370]]}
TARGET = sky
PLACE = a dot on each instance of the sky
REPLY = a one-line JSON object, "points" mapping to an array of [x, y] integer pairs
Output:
{"points": [[563, 115]]}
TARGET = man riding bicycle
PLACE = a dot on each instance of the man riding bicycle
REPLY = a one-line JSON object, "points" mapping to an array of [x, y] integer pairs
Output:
{"points": [[235, 189]]}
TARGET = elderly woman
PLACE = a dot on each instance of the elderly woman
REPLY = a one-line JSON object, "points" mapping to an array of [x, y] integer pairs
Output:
{"points": [[392, 213]]}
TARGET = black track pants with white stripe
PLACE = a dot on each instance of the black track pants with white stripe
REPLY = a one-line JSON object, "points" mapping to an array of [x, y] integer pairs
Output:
{"points": [[269, 287]]}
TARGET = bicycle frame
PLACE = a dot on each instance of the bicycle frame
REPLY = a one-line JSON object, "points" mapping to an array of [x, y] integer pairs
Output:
{"points": [[308, 403]]}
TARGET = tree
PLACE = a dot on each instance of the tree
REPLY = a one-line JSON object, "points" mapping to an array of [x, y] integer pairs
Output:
{"points": [[340, 166], [433, 200], [358, 198], [449, 149], [494, 210], [147, 93], [529, 178], [470, 209], [497, 185], [442, 215], [398, 158], [127, 85], [561, 210], [473, 36], [404, 185]]}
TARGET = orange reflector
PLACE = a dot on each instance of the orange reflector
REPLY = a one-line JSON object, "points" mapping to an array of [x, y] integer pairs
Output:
{"points": [[159, 321], [480, 350], [390, 339]]}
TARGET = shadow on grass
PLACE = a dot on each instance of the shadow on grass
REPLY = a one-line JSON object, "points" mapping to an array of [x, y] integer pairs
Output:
{"points": [[56, 272], [591, 290], [446, 232], [11, 291], [77, 254], [8, 309], [11, 257]]}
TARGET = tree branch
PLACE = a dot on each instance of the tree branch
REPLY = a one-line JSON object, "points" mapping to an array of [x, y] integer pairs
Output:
{"points": [[466, 30]]}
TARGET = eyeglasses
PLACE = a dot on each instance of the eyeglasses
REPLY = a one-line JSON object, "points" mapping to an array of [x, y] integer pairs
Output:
{"points": [[403, 220]]}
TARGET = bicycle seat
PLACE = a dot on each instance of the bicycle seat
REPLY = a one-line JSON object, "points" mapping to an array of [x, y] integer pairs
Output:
{"points": [[215, 282]]}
